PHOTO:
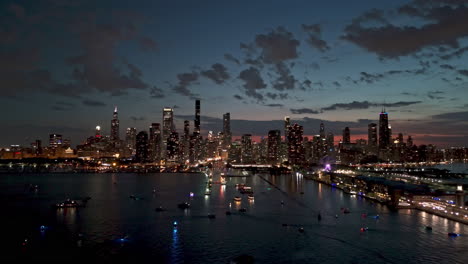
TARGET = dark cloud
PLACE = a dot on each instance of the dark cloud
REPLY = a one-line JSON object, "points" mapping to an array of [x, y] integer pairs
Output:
{"points": [[453, 116], [445, 26], [447, 67], [277, 46], [93, 103], [457, 54], [370, 78], [238, 97], [409, 94], [435, 95], [285, 80], [184, 81], [274, 96], [337, 84], [463, 72], [156, 92], [252, 82], [314, 37], [218, 73], [274, 105], [365, 105], [299, 111], [175, 107], [231, 58], [93, 64]]}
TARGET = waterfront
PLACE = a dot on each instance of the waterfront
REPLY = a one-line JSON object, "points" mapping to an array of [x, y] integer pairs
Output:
{"points": [[395, 237]]}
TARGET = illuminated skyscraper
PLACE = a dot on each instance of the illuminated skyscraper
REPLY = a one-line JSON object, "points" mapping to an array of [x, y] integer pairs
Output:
{"points": [[246, 148], [274, 141], [372, 135], [154, 150], [115, 127], [172, 151], [130, 140], [346, 136], [97, 132], [142, 147], [196, 128], [55, 140], [295, 149], [287, 121], [227, 137], [384, 130], [168, 126]]}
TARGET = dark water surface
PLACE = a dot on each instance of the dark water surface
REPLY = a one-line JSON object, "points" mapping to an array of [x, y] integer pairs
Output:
{"points": [[396, 237]]}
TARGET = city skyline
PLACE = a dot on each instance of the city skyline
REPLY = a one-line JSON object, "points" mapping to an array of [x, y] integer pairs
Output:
{"points": [[64, 65]]}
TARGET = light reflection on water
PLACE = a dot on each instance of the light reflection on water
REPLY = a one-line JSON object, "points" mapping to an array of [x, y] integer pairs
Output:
{"points": [[394, 237]]}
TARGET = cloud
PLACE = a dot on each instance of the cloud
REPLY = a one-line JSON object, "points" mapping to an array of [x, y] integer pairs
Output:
{"points": [[231, 58], [314, 37], [444, 26], [218, 73], [435, 94], [285, 80], [238, 97], [184, 81], [274, 96], [93, 103], [365, 105], [304, 111], [156, 92], [136, 119], [252, 82], [274, 105], [277, 46], [453, 116], [93, 63]]}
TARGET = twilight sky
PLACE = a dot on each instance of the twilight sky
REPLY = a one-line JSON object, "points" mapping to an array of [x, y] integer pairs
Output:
{"points": [[64, 65]]}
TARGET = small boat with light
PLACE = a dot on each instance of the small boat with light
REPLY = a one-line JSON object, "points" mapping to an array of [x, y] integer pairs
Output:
{"points": [[237, 199], [452, 234], [250, 196]]}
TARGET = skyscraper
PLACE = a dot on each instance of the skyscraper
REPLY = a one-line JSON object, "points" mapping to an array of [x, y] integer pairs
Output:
{"points": [[115, 127], [286, 127], [246, 148], [172, 146], [196, 128], [384, 131], [55, 140], [142, 147], [295, 149], [130, 140], [322, 130], [372, 135], [346, 136], [274, 141], [168, 126], [227, 137], [97, 132], [154, 150]]}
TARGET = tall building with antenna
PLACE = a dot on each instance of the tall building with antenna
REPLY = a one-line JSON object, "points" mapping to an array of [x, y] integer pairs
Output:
{"points": [[115, 127]]}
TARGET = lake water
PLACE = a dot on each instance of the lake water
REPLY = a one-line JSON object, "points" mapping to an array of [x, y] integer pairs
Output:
{"points": [[395, 237]]}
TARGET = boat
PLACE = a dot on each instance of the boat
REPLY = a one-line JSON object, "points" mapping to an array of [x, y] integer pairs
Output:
{"points": [[211, 216], [346, 211], [237, 199], [251, 197], [301, 229], [428, 227], [70, 204], [242, 210], [451, 234], [184, 205], [364, 229], [246, 189]]}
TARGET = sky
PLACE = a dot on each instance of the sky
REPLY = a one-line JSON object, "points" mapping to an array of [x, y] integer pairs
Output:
{"points": [[65, 65]]}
